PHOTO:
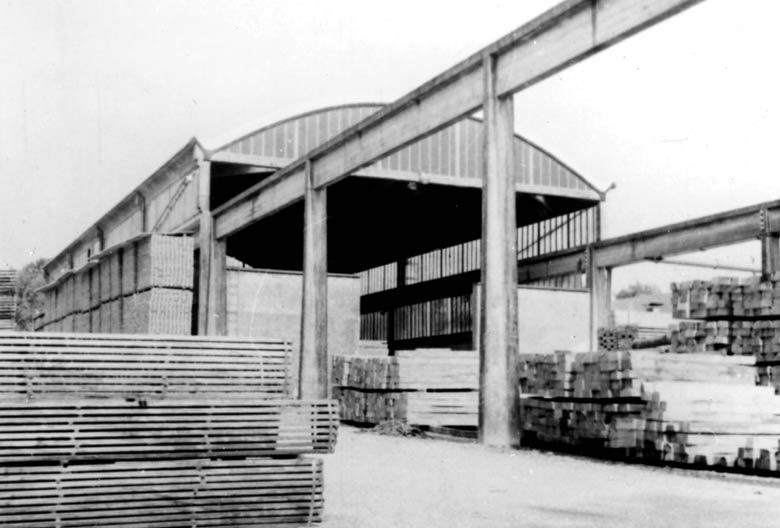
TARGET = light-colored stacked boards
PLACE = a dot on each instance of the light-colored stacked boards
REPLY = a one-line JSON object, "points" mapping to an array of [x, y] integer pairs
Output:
{"points": [[7, 299], [727, 297], [759, 338], [143, 433], [196, 492], [742, 317], [431, 387], [702, 409], [78, 430], [40, 364], [412, 407], [143, 285], [423, 369]]}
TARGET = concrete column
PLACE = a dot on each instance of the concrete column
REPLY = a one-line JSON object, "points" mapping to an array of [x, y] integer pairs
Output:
{"points": [[205, 243], [313, 377], [600, 286], [217, 308], [499, 403], [770, 255]]}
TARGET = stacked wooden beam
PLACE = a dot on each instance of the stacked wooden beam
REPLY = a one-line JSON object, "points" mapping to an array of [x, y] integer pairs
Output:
{"points": [[143, 286], [99, 430], [698, 409], [727, 297], [7, 300], [194, 492], [431, 387], [34, 365]]}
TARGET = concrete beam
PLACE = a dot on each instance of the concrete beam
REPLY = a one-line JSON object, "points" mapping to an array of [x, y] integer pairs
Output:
{"points": [[698, 234], [557, 39]]}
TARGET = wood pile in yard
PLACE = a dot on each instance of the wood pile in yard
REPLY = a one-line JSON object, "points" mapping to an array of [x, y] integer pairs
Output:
{"points": [[727, 297], [156, 432], [195, 492], [7, 300], [141, 286], [735, 317], [39, 364], [691, 409], [420, 387]]}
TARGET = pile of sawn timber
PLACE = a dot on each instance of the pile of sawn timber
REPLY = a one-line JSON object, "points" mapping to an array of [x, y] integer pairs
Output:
{"points": [[156, 432], [7, 299], [141, 286], [735, 317], [431, 387], [689, 409]]}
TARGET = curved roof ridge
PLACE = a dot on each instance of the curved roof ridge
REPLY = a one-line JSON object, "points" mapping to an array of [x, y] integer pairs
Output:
{"points": [[329, 108], [293, 118]]}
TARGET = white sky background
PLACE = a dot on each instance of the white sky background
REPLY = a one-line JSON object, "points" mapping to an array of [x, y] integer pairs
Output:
{"points": [[95, 95]]}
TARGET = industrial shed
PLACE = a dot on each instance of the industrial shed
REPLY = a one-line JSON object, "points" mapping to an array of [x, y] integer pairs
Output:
{"points": [[408, 226]]}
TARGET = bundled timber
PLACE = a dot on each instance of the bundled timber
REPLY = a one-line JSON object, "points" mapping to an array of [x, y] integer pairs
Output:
{"points": [[727, 297], [144, 431], [7, 300], [409, 370], [94, 365], [195, 492], [413, 407], [77, 430], [689, 409], [433, 387], [143, 285]]}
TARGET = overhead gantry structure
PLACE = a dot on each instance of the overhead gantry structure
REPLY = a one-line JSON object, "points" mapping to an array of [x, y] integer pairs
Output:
{"points": [[565, 35]]}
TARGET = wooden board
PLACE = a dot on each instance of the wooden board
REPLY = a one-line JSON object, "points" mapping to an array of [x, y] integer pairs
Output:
{"points": [[114, 429], [93, 365], [197, 492]]}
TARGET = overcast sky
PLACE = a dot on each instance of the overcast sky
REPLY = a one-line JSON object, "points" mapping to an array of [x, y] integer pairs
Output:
{"points": [[95, 95]]}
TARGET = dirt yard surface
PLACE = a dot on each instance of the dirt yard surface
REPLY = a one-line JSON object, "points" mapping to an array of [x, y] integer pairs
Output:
{"points": [[375, 481]]}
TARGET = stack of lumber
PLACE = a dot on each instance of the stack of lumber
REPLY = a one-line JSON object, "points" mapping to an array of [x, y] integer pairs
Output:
{"points": [[194, 492], [57, 429], [373, 348], [141, 286], [34, 365], [692, 409], [726, 297], [742, 317], [142, 431], [7, 300], [432, 387]]}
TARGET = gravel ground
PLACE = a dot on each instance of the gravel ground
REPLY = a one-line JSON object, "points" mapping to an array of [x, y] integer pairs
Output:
{"points": [[375, 481]]}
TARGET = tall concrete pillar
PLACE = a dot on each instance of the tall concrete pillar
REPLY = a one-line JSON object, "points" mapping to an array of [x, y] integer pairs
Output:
{"points": [[499, 400], [313, 377]]}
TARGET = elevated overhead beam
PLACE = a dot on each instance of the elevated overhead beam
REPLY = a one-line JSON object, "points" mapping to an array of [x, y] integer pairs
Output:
{"points": [[708, 232], [564, 35]]}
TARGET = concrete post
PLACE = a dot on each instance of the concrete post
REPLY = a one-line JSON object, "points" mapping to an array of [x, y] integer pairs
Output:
{"points": [[499, 402], [205, 243], [313, 377]]}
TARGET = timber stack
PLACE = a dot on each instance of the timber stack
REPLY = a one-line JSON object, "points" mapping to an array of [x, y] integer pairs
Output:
{"points": [[658, 407], [7, 300], [429, 387], [99, 430], [735, 317], [142, 286]]}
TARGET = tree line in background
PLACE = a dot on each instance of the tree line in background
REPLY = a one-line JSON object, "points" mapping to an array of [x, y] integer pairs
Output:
{"points": [[29, 301]]}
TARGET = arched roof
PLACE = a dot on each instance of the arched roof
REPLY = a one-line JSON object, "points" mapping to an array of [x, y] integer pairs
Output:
{"points": [[454, 152]]}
